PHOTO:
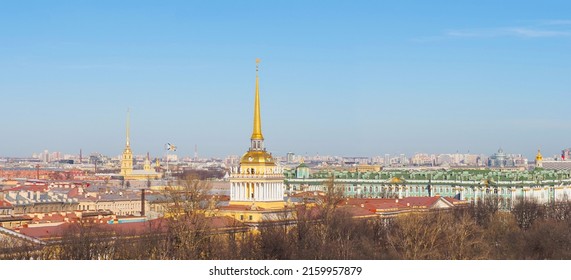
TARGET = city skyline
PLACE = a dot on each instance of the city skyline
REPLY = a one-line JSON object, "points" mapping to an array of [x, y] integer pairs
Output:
{"points": [[357, 81]]}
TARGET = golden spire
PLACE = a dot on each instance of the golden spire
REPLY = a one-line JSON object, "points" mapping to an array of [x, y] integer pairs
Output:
{"points": [[128, 128], [257, 133]]}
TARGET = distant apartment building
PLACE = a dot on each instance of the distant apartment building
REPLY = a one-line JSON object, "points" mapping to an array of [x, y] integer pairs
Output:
{"points": [[423, 160], [561, 162]]}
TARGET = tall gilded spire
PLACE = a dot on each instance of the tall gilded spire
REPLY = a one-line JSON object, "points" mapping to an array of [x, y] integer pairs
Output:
{"points": [[128, 128], [257, 133]]}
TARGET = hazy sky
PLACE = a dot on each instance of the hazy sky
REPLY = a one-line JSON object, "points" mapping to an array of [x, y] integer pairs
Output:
{"points": [[337, 77]]}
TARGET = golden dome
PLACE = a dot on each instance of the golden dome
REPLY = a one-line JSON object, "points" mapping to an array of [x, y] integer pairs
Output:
{"points": [[258, 158], [538, 156]]}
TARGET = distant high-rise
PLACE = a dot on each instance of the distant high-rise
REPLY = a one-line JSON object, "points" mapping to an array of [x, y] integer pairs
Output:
{"points": [[46, 156], [290, 157], [195, 152]]}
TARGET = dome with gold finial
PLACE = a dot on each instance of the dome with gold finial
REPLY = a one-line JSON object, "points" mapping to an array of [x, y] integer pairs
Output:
{"points": [[258, 157], [538, 157]]}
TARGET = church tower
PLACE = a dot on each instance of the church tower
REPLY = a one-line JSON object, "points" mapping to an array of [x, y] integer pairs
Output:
{"points": [[258, 181], [538, 160], [147, 165], [127, 158]]}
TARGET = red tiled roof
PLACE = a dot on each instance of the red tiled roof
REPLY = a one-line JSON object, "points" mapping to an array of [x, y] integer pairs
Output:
{"points": [[44, 232], [54, 218], [357, 211], [223, 222], [420, 201], [375, 203], [456, 201], [389, 204], [5, 204], [74, 192]]}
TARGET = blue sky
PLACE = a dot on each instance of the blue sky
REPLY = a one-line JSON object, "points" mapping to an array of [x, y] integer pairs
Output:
{"points": [[337, 77]]}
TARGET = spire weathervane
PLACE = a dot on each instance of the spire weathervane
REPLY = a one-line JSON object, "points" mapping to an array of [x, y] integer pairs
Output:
{"points": [[257, 64]]}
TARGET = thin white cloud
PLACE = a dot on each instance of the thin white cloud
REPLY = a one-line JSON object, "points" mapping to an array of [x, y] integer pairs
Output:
{"points": [[95, 66], [552, 28], [522, 32], [482, 33], [556, 22], [536, 33]]}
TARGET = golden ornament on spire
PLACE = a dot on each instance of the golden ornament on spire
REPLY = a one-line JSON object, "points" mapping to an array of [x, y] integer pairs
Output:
{"points": [[538, 156], [257, 133]]}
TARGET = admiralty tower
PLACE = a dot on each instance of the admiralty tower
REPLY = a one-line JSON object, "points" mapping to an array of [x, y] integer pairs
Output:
{"points": [[258, 181]]}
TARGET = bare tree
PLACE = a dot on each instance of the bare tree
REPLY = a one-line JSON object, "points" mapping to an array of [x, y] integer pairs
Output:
{"points": [[526, 211], [82, 241], [189, 230], [417, 236], [483, 211]]}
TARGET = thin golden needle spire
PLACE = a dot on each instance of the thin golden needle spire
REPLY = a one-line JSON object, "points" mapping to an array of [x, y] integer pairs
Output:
{"points": [[128, 127], [257, 133]]}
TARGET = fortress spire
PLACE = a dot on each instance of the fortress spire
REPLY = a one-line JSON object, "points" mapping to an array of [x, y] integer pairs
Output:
{"points": [[128, 128]]}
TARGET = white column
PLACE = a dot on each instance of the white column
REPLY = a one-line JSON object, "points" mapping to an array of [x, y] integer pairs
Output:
{"points": [[231, 191], [242, 191], [264, 192], [236, 191]]}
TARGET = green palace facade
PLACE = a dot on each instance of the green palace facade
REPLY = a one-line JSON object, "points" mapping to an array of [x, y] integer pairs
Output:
{"points": [[540, 185]]}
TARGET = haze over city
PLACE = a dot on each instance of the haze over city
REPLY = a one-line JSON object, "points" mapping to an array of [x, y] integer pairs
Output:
{"points": [[361, 80]]}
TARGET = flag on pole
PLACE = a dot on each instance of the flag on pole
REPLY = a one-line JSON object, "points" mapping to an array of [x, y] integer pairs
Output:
{"points": [[170, 147]]}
